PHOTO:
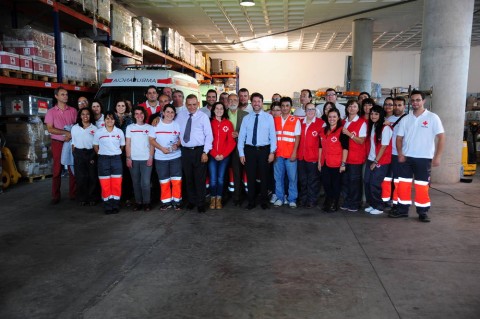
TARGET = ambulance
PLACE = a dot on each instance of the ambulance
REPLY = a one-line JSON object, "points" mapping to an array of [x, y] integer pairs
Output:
{"points": [[132, 84]]}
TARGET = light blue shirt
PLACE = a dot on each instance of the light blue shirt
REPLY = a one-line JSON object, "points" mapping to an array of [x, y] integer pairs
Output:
{"points": [[265, 132], [201, 130]]}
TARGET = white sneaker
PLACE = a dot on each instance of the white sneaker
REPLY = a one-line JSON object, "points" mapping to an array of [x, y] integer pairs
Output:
{"points": [[278, 203], [376, 212], [369, 209], [273, 199], [285, 200], [292, 205]]}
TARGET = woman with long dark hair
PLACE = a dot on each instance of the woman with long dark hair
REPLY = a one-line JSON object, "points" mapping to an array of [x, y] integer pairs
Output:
{"points": [[333, 154], [219, 156], [108, 143], [84, 157], [379, 158], [327, 107]]}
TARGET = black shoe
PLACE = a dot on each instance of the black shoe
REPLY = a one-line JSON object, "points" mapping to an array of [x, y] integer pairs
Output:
{"points": [[55, 201], [327, 204], [265, 206], [334, 207], [137, 207], [108, 211], [201, 209], [237, 203], [92, 203], [176, 206], [424, 218], [396, 214], [147, 207], [250, 207], [190, 206], [114, 211]]}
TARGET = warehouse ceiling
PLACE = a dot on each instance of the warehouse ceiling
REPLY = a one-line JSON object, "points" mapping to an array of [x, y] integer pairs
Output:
{"points": [[290, 25]]}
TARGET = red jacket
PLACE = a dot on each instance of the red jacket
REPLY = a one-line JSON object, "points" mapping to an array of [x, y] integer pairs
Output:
{"points": [[310, 141], [223, 141], [148, 109], [387, 154]]}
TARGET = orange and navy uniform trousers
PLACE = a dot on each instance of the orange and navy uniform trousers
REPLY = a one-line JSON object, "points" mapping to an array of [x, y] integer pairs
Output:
{"points": [[416, 170], [389, 190], [110, 176], [170, 177]]}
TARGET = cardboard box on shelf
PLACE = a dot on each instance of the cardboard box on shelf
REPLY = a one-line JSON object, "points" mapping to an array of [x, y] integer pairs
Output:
{"points": [[9, 61]]}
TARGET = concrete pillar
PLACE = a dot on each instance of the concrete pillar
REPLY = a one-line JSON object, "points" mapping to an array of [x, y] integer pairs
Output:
{"points": [[362, 55], [447, 29]]}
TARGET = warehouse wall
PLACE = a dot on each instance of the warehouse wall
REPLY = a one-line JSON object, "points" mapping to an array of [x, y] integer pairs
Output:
{"points": [[288, 72]]}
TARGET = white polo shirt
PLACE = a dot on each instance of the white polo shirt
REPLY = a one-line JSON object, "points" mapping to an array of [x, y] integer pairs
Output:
{"points": [[100, 122], [139, 141], [166, 135], [392, 119], [419, 134], [109, 143], [82, 138]]}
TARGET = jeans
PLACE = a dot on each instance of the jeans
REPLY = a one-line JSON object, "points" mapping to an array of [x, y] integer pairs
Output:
{"points": [[353, 186], [141, 173], [280, 167], [373, 184], [217, 171]]}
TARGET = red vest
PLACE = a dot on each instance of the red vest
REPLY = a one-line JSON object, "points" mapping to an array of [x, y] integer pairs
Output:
{"points": [[310, 141], [331, 148], [356, 152], [149, 110], [285, 136], [387, 155]]}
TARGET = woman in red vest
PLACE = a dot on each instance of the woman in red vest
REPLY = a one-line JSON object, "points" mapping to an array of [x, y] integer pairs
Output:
{"points": [[308, 157], [379, 158], [333, 154], [355, 128]]}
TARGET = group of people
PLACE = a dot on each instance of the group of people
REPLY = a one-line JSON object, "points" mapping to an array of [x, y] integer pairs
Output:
{"points": [[288, 153]]}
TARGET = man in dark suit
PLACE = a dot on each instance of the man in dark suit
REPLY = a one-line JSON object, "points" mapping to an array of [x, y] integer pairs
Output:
{"points": [[236, 117]]}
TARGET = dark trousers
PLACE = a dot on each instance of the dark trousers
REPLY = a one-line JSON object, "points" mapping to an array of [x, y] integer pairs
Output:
{"points": [[195, 175], [85, 163], [309, 178], [332, 181], [373, 184], [127, 184], [237, 169], [57, 172], [257, 163], [353, 186]]}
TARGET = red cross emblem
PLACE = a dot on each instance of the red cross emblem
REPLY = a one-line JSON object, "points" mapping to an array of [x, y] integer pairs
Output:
{"points": [[314, 133], [175, 133], [225, 129], [17, 107], [334, 139], [292, 118], [118, 136], [146, 131], [92, 132], [425, 123]]}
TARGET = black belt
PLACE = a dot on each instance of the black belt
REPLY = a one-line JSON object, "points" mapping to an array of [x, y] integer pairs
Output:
{"points": [[258, 147], [83, 149], [108, 155], [192, 148]]}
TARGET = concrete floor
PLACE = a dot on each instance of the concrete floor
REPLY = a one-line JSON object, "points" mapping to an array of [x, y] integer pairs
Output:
{"points": [[67, 261]]}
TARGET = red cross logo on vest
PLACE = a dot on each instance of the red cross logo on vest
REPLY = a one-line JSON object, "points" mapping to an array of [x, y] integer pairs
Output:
{"points": [[314, 133], [334, 139], [292, 118], [225, 129]]}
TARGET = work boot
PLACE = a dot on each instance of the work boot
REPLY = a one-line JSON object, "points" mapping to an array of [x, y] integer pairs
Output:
{"points": [[219, 203], [212, 202], [334, 206]]}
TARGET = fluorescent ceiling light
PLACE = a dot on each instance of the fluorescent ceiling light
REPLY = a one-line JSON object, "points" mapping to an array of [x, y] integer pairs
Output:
{"points": [[247, 3]]}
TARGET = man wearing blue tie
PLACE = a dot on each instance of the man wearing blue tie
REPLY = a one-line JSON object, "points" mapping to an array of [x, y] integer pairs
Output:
{"points": [[257, 143]]}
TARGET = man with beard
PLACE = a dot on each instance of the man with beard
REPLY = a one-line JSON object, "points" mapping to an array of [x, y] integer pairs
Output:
{"points": [[244, 100], [235, 115], [211, 99]]}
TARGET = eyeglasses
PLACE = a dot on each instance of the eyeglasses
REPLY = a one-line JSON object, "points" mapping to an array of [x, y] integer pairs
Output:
{"points": [[388, 104], [416, 100], [311, 109], [331, 94]]}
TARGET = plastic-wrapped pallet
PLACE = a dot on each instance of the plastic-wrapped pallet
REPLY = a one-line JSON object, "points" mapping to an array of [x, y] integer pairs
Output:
{"points": [[137, 36], [192, 55], [90, 6], [104, 62], [121, 26], [216, 66], [89, 60], [186, 53], [168, 40], [30, 146], [177, 44], [157, 38], [199, 60], [103, 9], [71, 57], [147, 28]]}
